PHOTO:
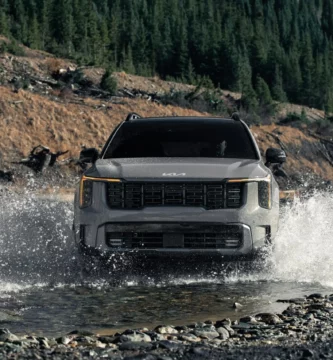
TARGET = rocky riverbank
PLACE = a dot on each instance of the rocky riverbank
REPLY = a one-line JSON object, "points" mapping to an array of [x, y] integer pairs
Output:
{"points": [[303, 330]]}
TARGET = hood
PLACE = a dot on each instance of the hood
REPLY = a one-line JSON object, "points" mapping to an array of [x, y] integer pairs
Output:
{"points": [[177, 169]]}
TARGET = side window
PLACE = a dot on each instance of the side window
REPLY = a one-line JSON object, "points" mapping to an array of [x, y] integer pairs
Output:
{"points": [[108, 142]]}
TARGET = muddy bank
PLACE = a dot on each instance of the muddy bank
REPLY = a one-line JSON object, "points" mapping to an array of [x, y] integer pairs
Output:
{"points": [[303, 330]]}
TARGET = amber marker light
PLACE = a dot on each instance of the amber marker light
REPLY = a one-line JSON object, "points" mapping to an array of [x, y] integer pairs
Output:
{"points": [[264, 189], [86, 188]]}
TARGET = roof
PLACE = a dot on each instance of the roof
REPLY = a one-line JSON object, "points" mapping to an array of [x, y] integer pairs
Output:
{"points": [[198, 119]]}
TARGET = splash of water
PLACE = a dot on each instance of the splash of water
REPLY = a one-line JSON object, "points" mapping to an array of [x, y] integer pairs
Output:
{"points": [[304, 244], [36, 244], [303, 247], [35, 239]]}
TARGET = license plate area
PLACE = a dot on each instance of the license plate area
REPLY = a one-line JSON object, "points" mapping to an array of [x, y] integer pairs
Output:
{"points": [[173, 240]]}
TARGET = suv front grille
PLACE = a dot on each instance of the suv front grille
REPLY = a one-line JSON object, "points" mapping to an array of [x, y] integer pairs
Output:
{"points": [[229, 237], [134, 195]]}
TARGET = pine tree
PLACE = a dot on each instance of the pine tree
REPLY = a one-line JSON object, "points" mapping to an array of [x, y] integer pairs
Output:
{"points": [[307, 69], [278, 92], [249, 99], [4, 18], [263, 92], [62, 26], [288, 44]]}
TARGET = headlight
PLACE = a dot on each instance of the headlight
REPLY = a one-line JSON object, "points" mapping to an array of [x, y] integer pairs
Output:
{"points": [[86, 189], [264, 189], [265, 193]]}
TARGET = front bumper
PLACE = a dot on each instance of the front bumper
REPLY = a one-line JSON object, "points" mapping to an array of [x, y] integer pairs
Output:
{"points": [[94, 224]]}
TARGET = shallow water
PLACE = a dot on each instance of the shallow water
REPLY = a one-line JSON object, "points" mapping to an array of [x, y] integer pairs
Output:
{"points": [[41, 289]]}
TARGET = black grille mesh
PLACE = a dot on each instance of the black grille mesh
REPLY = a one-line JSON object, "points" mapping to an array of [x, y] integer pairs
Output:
{"points": [[228, 237], [135, 195]]}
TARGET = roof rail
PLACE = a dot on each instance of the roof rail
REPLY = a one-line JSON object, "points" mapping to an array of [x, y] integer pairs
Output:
{"points": [[235, 116], [132, 116]]}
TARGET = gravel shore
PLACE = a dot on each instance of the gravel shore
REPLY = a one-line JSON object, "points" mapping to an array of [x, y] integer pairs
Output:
{"points": [[303, 331]]}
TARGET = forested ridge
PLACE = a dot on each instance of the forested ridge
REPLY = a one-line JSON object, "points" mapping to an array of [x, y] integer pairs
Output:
{"points": [[262, 48]]}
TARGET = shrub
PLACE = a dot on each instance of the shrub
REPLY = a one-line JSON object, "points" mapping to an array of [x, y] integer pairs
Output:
{"points": [[295, 118], [203, 101], [14, 48], [53, 65], [109, 82]]}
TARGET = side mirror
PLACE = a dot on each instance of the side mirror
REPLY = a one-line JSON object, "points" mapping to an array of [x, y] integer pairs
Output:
{"points": [[89, 155], [275, 156]]}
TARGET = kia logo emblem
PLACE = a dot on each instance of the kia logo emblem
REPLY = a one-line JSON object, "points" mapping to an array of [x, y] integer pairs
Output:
{"points": [[174, 174]]}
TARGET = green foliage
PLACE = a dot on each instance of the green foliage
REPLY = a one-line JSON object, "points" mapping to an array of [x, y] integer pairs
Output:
{"points": [[109, 82], [202, 100], [286, 44], [11, 47], [324, 127], [263, 92], [295, 118], [25, 83]]}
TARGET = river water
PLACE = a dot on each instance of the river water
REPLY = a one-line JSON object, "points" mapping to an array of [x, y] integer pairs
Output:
{"points": [[41, 290]]}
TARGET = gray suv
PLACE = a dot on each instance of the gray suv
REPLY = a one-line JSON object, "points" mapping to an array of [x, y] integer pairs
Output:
{"points": [[178, 186]]}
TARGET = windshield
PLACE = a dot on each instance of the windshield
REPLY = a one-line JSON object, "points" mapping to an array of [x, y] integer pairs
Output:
{"points": [[211, 139]]}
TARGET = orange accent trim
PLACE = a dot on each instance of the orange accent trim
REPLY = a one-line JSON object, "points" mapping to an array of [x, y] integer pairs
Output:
{"points": [[267, 179], [86, 178]]}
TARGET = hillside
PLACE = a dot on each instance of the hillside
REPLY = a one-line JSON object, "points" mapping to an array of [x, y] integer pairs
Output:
{"points": [[263, 48], [68, 116]]}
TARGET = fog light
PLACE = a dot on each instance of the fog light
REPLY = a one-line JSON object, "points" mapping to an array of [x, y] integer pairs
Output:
{"points": [[116, 243], [231, 243]]}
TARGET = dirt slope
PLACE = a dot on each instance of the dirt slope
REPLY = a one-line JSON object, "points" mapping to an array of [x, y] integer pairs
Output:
{"points": [[28, 119], [46, 114]]}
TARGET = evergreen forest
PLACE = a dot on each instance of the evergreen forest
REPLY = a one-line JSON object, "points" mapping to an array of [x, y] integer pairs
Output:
{"points": [[265, 49]]}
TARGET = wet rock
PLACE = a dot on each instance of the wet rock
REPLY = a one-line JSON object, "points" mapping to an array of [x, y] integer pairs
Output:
{"points": [[315, 296], [200, 324], [202, 351], [223, 322], [169, 345], [166, 330], [224, 333], [142, 357], [268, 318], [206, 332], [65, 340], [189, 337], [237, 305], [230, 330], [84, 340], [209, 322], [44, 344], [6, 335], [81, 333], [155, 336], [100, 344], [181, 328], [134, 336], [107, 339], [308, 317], [216, 342], [248, 319], [329, 310], [241, 326], [134, 346], [307, 353], [52, 342]]}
